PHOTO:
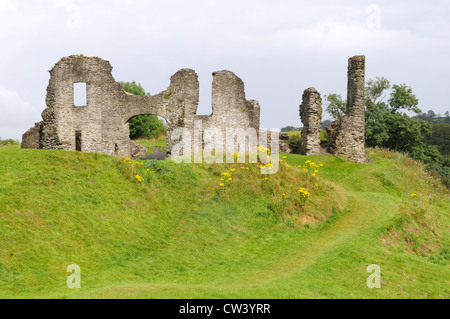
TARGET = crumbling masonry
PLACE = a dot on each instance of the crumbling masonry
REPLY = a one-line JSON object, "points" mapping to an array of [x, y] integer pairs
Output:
{"points": [[101, 126], [347, 135], [311, 115]]}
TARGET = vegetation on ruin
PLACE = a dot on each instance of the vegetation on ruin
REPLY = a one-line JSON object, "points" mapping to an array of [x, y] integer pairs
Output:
{"points": [[175, 232]]}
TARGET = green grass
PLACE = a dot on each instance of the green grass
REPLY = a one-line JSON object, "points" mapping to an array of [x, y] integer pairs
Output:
{"points": [[159, 142], [295, 137], [169, 237]]}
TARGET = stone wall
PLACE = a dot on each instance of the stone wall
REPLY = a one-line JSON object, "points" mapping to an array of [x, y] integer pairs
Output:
{"points": [[347, 135], [311, 115], [30, 139], [101, 126]]}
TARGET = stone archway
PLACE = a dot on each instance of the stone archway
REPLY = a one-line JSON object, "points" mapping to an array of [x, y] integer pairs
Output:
{"points": [[152, 147]]}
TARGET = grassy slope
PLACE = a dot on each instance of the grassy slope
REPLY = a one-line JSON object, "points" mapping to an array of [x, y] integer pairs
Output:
{"points": [[173, 239], [150, 144]]}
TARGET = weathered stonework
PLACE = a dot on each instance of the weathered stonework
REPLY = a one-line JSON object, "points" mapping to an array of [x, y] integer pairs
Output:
{"points": [[311, 115], [347, 135], [283, 145], [137, 150], [30, 139], [102, 125]]}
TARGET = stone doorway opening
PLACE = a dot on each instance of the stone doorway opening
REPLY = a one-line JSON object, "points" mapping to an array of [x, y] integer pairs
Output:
{"points": [[148, 131]]}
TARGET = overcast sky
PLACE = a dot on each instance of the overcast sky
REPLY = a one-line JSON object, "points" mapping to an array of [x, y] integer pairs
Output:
{"points": [[278, 48]]}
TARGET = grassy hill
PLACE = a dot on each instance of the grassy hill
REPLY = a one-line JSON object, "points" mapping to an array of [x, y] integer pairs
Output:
{"points": [[164, 230]]}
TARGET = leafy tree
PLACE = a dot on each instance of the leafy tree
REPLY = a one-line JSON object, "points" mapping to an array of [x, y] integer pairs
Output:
{"points": [[440, 137], [431, 114], [377, 132], [386, 126], [408, 135], [8, 141], [143, 126], [133, 88], [403, 98], [375, 90], [336, 105], [289, 129], [377, 125]]}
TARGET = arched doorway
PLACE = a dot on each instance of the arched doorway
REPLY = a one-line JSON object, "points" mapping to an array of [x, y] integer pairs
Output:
{"points": [[149, 131]]}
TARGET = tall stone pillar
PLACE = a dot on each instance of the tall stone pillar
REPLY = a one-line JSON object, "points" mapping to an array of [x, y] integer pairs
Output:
{"points": [[347, 135], [311, 115]]}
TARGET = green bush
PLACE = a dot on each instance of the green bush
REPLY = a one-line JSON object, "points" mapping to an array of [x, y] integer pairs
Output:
{"points": [[8, 141]]}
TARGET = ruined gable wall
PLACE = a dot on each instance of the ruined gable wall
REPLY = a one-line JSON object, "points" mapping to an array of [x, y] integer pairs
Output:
{"points": [[230, 108], [100, 121]]}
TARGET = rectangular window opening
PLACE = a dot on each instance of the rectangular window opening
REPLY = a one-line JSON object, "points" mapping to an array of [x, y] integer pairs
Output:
{"points": [[79, 94]]}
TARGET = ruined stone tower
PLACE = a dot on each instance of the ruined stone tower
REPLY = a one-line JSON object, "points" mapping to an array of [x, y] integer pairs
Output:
{"points": [[311, 115], [346, 135]]}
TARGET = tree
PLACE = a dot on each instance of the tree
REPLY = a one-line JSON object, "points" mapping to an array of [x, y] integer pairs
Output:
{"points": [[440, 137], [431, 114], [386, 126], [375, 90], [377, 131], [289, 129], [133, 88], [336, 105], [377, 126], [408, 135], [143, 126], [403, 98]]}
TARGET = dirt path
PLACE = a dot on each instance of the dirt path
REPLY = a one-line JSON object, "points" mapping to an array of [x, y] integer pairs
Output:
{"points": [[158, 155]]}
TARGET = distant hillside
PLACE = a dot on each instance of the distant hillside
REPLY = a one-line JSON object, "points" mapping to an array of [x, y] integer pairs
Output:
{"points": [[157, 229]]}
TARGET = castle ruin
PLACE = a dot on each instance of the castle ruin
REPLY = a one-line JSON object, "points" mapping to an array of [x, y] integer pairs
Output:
{"points": [[346, 136], [101, 126]]}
